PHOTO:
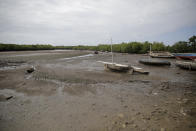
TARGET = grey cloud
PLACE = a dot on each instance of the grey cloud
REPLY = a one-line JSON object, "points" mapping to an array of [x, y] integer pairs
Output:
{"points": [[91, 21]]}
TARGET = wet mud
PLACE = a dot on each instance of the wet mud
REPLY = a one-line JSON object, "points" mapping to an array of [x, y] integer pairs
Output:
{"points": [[70, 90]]}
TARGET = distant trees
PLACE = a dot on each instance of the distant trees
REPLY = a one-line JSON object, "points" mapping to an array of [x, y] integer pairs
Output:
{"points": [[184, 46], [103, 47], [144, 47], [130, 47], [192, 43], [181, 46], [156, 46], [14, 47]]}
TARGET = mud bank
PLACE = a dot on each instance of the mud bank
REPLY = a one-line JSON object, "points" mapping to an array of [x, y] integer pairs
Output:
{"points": [[70, 90]]}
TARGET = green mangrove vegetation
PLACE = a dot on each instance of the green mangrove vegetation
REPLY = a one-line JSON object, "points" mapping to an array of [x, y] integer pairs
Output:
{"points": [[125, 47], [15, 47], [140, 47]]}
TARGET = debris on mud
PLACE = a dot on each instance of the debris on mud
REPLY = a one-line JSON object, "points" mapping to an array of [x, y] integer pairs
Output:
{"points": [[96, 52], [30, 70], [5, 98], [9, 97]]}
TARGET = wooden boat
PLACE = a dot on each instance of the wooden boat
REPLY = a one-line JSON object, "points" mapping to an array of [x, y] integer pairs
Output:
{"points": [[186, 65], [185, 56], [161, 54], [115, 67], [120, 67], [154, 62], [139, 70], [123, 68]]}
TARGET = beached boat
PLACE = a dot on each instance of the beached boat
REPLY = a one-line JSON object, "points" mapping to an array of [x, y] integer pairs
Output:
{"points": [[123, 68], [154, 62], [185, 56], [120, 67], [115, 67], [161, 54], [186, 65]]}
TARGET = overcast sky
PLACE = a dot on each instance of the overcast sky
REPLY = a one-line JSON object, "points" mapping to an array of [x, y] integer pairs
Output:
{"points": [[73, 22]]}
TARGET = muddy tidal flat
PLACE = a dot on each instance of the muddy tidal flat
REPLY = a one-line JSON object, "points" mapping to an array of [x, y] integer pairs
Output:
{"points": [[71, 91]]}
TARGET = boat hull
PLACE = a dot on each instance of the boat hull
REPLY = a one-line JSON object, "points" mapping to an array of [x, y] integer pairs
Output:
{"points": [[161, 54], [186, 65], [117, 68], [154, 62], [186, 56]]}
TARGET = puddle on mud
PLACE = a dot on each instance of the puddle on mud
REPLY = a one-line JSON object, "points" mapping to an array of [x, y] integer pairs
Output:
{"points": [[60, 50], [75, 57], [13, 67], [6, 65]]}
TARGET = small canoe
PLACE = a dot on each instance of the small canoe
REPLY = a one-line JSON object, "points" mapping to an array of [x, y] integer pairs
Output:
{"points": [[185, 56], [186, 65], [154, 62], [161, 54]]}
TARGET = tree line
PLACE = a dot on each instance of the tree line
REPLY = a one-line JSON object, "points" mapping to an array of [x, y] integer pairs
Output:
{"points": [[140, 47], [125, 47], [15, 47]]}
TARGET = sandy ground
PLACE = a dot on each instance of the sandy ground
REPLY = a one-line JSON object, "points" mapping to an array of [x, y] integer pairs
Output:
{"points": [[67, 92]]}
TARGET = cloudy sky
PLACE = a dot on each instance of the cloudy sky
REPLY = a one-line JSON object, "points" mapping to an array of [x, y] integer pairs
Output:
{"points": [[73, 22]]}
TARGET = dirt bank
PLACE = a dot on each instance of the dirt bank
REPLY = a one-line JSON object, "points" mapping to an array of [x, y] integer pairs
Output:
{"points": [[70, 90]]}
